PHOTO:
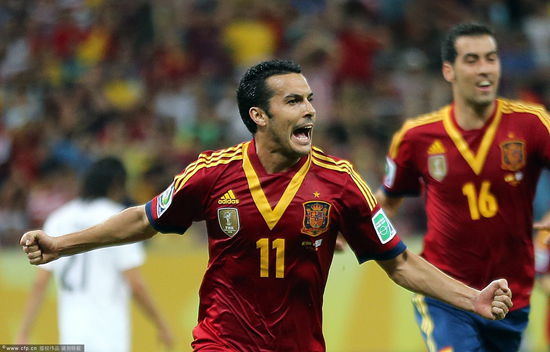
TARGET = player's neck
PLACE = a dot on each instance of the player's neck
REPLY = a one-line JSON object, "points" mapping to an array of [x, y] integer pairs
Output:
{"points": [[273, 159], [470, 117]]}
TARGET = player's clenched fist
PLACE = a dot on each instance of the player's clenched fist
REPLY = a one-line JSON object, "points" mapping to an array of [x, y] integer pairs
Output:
{"points": [[40, 248], [495, 300]]}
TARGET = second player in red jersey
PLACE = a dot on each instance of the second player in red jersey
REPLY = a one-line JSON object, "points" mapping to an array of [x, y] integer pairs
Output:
{"points": [[478, 161], [480, 186]]}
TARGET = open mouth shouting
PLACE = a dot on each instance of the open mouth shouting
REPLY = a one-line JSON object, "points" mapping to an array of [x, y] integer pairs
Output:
{"points": [[302, 134]]}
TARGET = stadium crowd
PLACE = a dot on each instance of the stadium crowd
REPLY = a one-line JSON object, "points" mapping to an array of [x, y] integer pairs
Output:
{"points": [[153, 82]]}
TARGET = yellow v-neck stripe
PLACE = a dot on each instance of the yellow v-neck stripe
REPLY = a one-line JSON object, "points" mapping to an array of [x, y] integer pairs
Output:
{"points": [[272, 216], [476, 161]]}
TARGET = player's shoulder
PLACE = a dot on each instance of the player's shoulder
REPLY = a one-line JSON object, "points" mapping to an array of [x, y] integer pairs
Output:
{"points": [[517, 108], [221, 156], [210, 160], [529, 115], [209, 166], [330, 162], [425, 120], [416, 127], [512, 105]]}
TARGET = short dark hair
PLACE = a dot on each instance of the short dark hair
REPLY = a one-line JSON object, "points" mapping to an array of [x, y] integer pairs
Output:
{"points": [[253, 91], [471, 29], [101, 176]]}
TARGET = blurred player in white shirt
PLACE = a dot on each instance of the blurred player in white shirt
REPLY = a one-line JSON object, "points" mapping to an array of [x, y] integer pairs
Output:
{"points": [[94, 287]]}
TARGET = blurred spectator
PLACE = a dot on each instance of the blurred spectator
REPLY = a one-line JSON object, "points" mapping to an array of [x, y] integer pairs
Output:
{"points": [[203, 39], [316, 51], [413, 81], [248, 38], [56, 186], [98, 41], [23, 105], [13, 215], [228, 111], [358, 42], [537, 29], [17, 52], [177, 100], [66, 35]]}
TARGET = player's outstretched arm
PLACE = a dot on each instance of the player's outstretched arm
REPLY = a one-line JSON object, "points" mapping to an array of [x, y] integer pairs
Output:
{"points": [[415, 274], [130, 225]]}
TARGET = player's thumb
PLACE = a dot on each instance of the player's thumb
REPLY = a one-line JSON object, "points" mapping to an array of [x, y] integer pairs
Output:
{"points": [[29, 238], [501, 285]]}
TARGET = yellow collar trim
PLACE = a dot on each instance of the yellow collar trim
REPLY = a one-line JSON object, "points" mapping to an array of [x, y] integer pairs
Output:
{"points": [[272, 216], [476, 162]]}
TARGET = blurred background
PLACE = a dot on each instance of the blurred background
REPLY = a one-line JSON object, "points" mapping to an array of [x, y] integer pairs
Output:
{"points": [[153, 82]]}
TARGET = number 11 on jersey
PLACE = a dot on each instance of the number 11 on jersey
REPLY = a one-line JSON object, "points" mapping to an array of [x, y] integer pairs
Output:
{"points": [[279, 246]]}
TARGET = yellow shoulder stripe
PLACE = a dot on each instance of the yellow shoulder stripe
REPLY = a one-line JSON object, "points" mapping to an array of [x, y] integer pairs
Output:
{"points": [[317, 149], [410, 124], [510, 106], [229, 152], [206, 161], [346, 167]]}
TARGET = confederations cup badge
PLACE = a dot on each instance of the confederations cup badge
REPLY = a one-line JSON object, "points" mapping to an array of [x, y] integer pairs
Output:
{"points": [[228, 218]]}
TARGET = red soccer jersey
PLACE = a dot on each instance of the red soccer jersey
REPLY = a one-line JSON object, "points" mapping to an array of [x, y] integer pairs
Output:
{"points": [[271, 240], [479, 188]]}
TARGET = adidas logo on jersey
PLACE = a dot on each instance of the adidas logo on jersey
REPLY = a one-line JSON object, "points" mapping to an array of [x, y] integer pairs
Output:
{"points": [[436, 148], [228, 198]]}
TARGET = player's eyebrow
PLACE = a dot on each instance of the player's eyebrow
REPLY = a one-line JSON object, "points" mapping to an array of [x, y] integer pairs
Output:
{"points": [[476, 55], [297, 96]]}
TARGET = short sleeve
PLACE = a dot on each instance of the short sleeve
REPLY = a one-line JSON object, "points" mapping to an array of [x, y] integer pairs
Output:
{"points": [[367, 229], [402, 177], [174, 210]]}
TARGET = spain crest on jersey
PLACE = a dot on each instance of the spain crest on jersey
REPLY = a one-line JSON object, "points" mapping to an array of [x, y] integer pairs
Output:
{"points": [[512, 155], [316, 217]]}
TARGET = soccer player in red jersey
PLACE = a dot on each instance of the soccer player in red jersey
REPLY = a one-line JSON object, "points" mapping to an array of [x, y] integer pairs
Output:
{"points": [[478, 161], [273, 207]]}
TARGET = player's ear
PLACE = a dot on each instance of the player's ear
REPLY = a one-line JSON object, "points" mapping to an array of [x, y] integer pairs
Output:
{"points": [[448, 71], [258, 115]]}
